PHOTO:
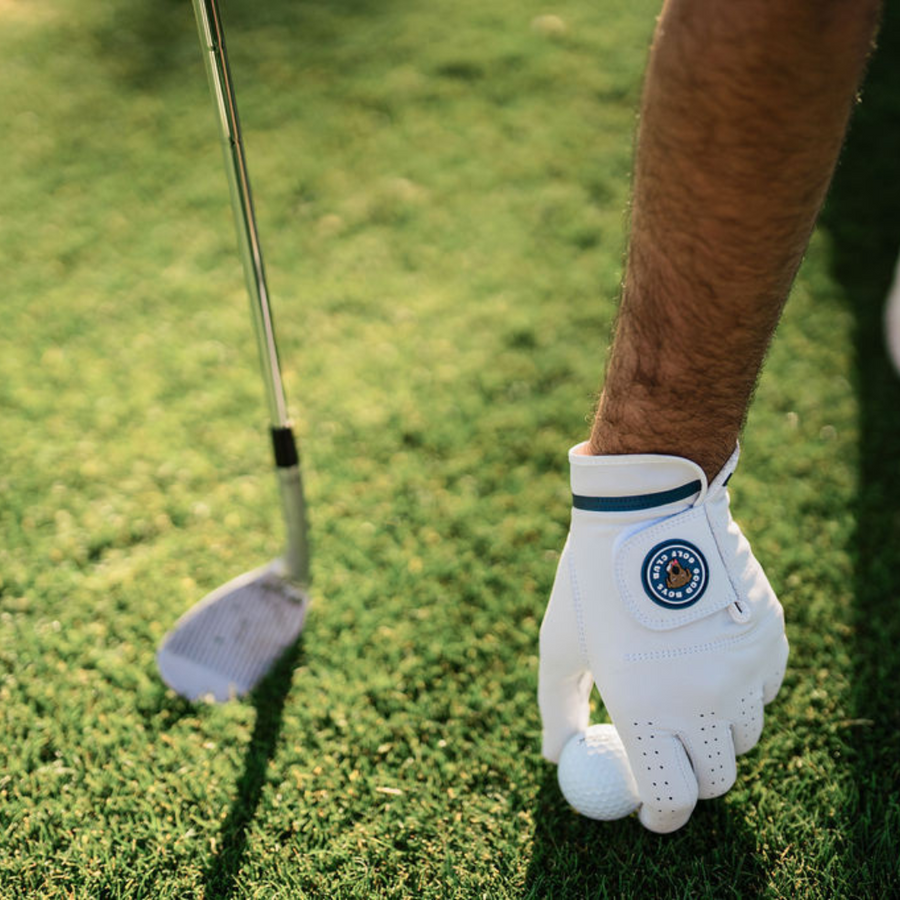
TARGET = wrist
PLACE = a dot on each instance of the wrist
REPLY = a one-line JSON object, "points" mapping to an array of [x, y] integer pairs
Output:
{"points": [[643, 426]]}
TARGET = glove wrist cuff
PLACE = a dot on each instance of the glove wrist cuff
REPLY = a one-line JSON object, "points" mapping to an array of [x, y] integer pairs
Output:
{"points": [[647, 481], [634, 482]]}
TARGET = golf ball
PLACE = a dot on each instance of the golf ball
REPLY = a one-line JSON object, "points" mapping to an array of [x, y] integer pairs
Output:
{"points": [[594, 775]]}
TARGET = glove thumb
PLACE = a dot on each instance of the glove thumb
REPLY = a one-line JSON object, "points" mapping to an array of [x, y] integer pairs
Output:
{"points": [[564, 680]]}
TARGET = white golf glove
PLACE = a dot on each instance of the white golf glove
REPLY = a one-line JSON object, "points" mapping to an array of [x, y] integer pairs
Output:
{"points": [[659, 599]]}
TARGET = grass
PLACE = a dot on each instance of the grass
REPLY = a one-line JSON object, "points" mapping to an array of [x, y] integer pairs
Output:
{"points": [[440, 192]]}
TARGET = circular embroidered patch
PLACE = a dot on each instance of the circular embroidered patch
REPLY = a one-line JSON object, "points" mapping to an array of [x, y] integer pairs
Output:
{"points": [[675, 574]]}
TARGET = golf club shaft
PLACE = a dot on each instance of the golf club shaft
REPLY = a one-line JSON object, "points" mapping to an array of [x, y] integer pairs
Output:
{"points": [[212, 39]]}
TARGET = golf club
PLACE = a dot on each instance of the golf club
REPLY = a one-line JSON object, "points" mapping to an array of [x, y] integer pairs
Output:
{"points": [[229, 641]]}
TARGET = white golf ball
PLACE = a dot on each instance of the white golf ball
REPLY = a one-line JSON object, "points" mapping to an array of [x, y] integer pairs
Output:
{"points": [[594, 775]]}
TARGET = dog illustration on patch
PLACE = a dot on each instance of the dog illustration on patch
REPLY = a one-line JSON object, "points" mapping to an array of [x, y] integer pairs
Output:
{"points": [[677, 575]]}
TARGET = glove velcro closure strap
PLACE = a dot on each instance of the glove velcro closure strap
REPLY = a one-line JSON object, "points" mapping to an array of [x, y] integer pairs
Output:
{"points": [[672, 573]]}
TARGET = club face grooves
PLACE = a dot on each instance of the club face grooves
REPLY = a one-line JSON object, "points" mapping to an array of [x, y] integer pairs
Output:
{"points": [[227, 643]]}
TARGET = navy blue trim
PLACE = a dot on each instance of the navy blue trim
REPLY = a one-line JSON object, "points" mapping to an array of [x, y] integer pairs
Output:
{"points": [[636, 501]]}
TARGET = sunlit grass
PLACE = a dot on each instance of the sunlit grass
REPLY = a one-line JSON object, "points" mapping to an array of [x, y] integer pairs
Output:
{"points": [[441, 192]]}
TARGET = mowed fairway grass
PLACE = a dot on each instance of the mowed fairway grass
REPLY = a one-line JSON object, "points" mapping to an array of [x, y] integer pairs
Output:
{"points": [[441, 191]]}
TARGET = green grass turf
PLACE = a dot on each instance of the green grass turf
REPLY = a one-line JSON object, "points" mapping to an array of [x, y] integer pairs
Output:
{"points": [[440, 191]]}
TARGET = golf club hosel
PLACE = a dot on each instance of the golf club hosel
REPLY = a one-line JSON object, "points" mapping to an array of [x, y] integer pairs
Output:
{"points": [[296, 553], [287, 460]]}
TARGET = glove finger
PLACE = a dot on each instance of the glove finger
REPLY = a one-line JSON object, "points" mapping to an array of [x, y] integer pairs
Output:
{"points": [[564, 702], [665, 780], [748, 724], [713, 757], [772, 684]]}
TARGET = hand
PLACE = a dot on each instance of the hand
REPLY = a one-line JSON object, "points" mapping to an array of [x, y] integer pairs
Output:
{"points": [[659, 599]]}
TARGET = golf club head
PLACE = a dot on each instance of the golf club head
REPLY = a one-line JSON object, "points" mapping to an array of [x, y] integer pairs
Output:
{"points": [[226, 644]]}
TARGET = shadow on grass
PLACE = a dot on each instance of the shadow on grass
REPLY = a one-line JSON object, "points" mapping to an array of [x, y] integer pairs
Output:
{"points": [[146, 44], [863, 219], [221, 875], [714, 856]]}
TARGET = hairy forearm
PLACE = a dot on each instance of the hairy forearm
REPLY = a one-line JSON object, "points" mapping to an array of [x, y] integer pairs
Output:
{"points": [[744, 111]]}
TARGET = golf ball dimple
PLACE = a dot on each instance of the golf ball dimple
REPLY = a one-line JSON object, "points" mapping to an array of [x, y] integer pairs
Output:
{"points": [[594, 775]]}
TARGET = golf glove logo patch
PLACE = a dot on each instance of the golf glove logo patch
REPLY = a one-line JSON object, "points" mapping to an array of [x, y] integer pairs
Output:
{"points": [[674, 574], [659, 600]]}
